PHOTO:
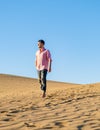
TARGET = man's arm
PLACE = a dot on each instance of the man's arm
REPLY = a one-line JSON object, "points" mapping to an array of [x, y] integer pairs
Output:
{"points": [[49, 60], [36, 61], [49, 65]]}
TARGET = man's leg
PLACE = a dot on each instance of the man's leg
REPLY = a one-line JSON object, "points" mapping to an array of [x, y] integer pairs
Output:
{"points": [[43, 79], [39, 78]]}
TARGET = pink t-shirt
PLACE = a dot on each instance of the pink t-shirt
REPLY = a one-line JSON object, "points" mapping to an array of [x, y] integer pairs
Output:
{"points": [[42, 59]]}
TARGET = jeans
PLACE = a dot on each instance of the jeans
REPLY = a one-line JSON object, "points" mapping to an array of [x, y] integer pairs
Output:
{"points": [[42, 78]]}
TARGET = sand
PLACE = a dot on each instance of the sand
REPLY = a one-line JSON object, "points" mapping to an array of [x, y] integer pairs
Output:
{"points": [[66, 106]]}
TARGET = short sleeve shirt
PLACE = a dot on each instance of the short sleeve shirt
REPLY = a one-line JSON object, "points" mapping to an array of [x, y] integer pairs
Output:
{"points": [[42, 58]]}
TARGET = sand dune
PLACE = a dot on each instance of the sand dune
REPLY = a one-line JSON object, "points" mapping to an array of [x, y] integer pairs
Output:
{"points": [[66, 107]]}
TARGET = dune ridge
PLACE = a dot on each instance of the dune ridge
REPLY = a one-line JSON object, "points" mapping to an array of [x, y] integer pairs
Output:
{"points": [[67, 106]]}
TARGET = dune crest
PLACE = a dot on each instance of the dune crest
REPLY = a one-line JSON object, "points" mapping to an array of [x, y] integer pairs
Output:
{"points": [[66, 107]]}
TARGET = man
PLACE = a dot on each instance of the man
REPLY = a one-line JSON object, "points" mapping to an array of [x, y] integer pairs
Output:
{"points": [[43, 64]]}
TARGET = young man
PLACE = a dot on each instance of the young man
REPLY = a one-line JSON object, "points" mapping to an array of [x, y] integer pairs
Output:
{"points": [[43, 64]]}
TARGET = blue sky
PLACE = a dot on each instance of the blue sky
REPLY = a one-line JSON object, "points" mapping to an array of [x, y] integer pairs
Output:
{"points": [[70, 28]]}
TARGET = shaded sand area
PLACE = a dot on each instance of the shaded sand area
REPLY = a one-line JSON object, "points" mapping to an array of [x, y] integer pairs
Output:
{"points": [[66, 107]]}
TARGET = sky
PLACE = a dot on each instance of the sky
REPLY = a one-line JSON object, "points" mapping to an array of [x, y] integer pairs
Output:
{"points": [[70, 28]]}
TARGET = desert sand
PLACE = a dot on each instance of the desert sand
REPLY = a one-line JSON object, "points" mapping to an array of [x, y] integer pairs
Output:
{"points": [[66, 107]]}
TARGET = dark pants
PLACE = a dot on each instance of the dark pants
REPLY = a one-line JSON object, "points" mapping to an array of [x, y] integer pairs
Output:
{"points": [[42, 79]]}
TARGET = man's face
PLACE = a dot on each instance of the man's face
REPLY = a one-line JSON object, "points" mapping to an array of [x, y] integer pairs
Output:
{"points": [[40, 45]]}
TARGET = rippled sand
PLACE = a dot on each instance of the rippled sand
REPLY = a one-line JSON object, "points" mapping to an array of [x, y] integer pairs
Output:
{"points": [[66, 106]]}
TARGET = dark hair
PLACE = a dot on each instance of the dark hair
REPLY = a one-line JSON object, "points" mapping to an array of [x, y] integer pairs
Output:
{"points": [[42, 41]]}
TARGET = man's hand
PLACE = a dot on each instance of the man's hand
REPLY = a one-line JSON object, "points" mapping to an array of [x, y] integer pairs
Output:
{"points": [[49, 70], [49, 66]]}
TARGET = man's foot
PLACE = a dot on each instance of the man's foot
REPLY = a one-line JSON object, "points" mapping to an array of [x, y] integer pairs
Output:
{"points": [[44, 94]]}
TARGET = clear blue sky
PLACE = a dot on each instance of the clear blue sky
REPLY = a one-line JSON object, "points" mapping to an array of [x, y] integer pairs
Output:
{"points": [[70, 28]]}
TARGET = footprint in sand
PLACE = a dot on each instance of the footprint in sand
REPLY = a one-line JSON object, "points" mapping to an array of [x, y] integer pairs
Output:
{"points": [[6, 119], [14, 111], [80, 127], [3, 111], [48, 104], [29, 124], [59, 124], [96, 127], [10, 115], [47, 127]]}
